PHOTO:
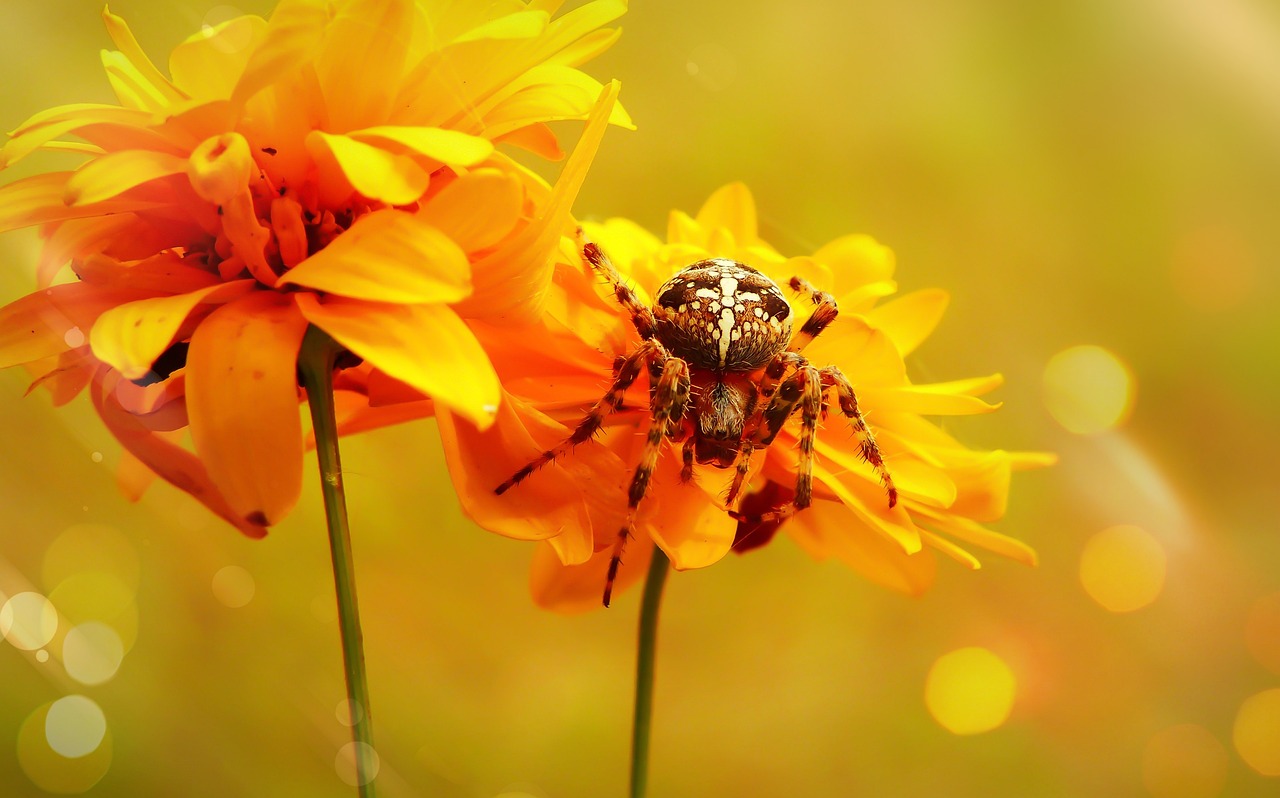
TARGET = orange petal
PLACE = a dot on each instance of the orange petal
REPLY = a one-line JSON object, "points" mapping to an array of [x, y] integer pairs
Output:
{"points": [[913, 478], [49, 322], [684, 521], [910, 319], [576, 498], [165, 273], [830, 529], [537, 139], [69, 375], [374, 172], [388, 256], [425, 346], [38, 199], [982, 488], [453, 210], [868, 502], [242, 396], [131, 336], [172, 463], [113, 174], [573, 589], [43, 128]]}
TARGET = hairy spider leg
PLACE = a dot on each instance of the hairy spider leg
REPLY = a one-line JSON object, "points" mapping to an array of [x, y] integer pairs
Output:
{"points": [[641, 315], [670, 395], [832, 377], [686, 460], [625, 373]]}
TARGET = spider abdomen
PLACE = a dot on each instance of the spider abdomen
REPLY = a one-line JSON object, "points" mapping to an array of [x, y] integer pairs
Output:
{"points": [[722, 315]]}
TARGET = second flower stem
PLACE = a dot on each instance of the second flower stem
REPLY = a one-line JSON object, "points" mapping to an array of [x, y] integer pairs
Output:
{"points": [[641, 722], [315, 366]]}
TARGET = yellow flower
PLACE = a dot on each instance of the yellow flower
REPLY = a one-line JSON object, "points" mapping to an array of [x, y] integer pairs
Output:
{"points": [[333, 166], [937, 492]]}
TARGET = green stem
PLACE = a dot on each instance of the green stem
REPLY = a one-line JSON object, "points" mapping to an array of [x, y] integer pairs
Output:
{"points": [[643, 718], [315, 366]]}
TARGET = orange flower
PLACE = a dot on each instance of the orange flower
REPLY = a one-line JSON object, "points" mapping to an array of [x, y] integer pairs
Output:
{"points": [[944, 491], [333, 166]]}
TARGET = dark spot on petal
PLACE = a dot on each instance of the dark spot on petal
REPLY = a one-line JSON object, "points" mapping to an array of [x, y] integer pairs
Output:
{"points": [[258, 518], [269, 150]]}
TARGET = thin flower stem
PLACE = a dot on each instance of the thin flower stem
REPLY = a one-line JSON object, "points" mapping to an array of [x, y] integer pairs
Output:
{"points": [[642, 720], [315, 366]]}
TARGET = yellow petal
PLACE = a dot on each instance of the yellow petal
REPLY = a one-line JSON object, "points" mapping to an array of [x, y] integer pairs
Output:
{"points": [[910, 319], [171, 462], [425, 346], [978, 535], [951, 550], [914, 479], [131, 86], [294, 34], [869, 503], [115, 173], [982, 488], [454, 210], [242, 397], [856, 260], [157, 84], [865, 354], [131, 336], [935, 399], [732, 208], [44, 128], [38, 199], [446, 146], [547, 93], [537, 139], [209, 63], [830, 529], [362, 59], [388, 256], [372, 171]]}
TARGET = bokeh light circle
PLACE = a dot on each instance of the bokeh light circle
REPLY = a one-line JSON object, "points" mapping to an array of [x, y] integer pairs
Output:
{"points": [[970, 691], [1123, 568], [1257, 732], [28, 621], [1087, 389], [92, 653], [87, 548], [1262, 632], [75, 726], [99, 596], [1184, 761], [349, 712], [345, 763], [233, 586], [50, 770]]}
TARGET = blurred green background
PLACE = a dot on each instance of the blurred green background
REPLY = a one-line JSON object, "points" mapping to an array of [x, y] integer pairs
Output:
{"points": [[1074, 172]]}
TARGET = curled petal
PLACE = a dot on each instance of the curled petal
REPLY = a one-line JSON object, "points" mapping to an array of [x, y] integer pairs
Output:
{"points": [[374, 172], [388, 256], [242, 397], [176, 465], [221, 167], [425, 346], [131, 336]]}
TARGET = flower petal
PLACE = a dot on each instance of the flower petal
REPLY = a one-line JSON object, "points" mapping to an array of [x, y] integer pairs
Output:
{"points": [[573, 589], [372, 171], [362, 60], [159, 85], [131, 336], [113, 174], [44, 128], [388, 256], [453, 210], [176, 465], [425, 346], [209, 63], [50, 322], [911, 318], [242, 396], [935, 399], [978, 535], [830, 529], [856, 260], [683, 521], [733, 208], [439, 144], [573, 500], [868, 502]]}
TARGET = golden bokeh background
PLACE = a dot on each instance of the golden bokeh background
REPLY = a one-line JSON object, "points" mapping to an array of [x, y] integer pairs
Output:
{"points": [[1098, 186]]}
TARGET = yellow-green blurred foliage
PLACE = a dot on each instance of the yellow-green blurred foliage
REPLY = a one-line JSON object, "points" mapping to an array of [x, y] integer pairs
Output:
{"points": [[1075, 173]]}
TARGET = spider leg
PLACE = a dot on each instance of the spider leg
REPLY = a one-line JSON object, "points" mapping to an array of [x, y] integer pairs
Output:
{"points": [[824, 312], [833, 377], [626, 370], [641, 315], [686, 457], [670, 393]]}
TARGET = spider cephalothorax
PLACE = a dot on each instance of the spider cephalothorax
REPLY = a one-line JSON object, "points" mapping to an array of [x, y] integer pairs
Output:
{"points": [[725, 373]]}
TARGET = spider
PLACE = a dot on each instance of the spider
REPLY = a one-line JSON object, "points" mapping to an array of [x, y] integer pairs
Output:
{"points": [[725, 374]]}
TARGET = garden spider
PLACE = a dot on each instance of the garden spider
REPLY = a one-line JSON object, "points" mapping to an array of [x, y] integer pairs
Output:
{"points": [[718, 344]]}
